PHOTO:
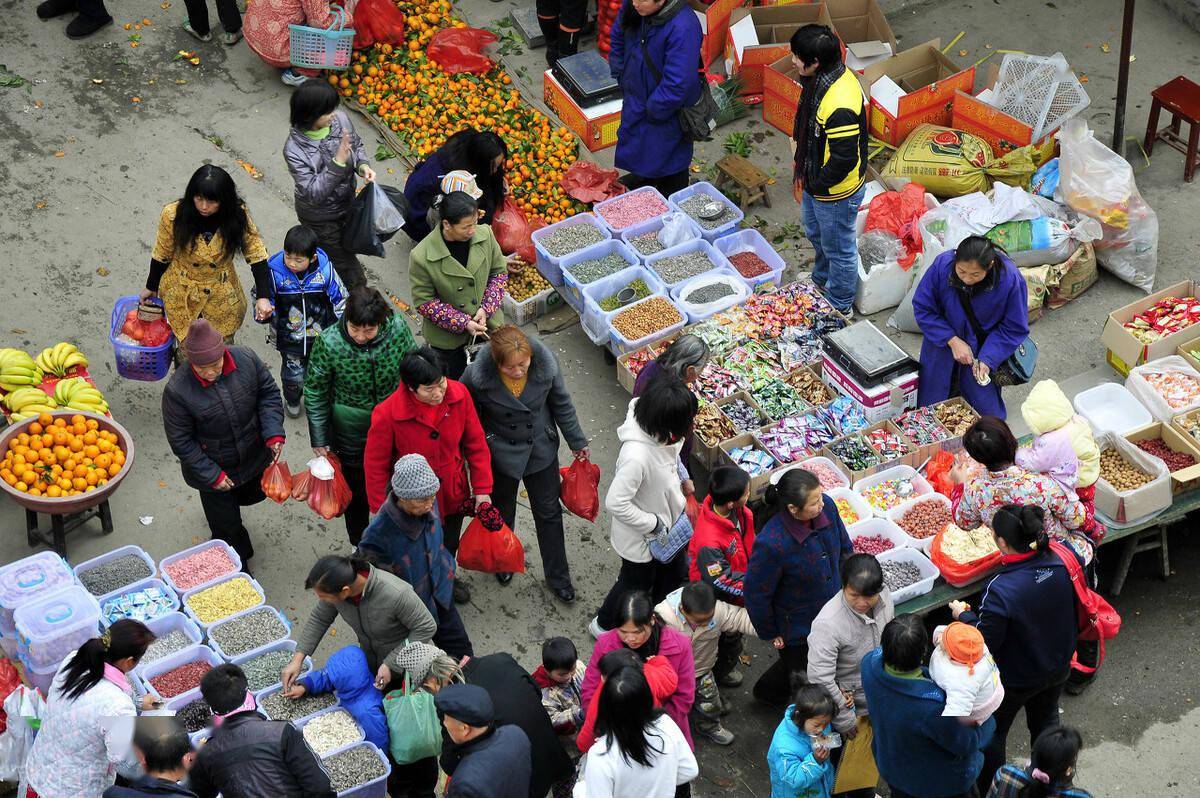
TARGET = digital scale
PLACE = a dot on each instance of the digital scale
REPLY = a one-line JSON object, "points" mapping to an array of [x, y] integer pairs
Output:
{"points": [[867, 354], [585, 76]]}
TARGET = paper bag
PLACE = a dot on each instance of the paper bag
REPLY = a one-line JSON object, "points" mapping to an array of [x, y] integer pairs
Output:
{"points": [[857, 769]]}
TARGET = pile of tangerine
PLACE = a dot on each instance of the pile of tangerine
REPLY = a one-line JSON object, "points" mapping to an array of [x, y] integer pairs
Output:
{"points": [[57, 458]]}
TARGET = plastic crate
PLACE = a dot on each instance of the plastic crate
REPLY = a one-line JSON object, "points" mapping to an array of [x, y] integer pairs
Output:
{"points": [[522, 313], [708, 188], [698, 245], [593, 319], [896, 513], [857, 503], [279, 645], [262, 597], [599, 208], [750, 240], [572, 288], [55, 625], [41, 678], [208, 544], [173, 622], [698, 313], [136, 586], [549, 265], [653, 226], [108, 557], [148, 363], [173, 661], [879, 527], [28, 579], [921, 486], [177, 703], [338, 708], [212, 638], [376, 788], [929, 573], [261, 694], [319, 48], [621, 345]]}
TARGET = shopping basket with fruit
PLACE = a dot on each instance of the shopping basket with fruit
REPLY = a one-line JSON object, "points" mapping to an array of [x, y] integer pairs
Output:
{"points": [[141, 339]]}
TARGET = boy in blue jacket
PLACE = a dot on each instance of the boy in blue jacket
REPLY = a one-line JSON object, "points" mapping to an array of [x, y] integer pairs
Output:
{"points": [[346, 674], [299, 287], [800, 769]]}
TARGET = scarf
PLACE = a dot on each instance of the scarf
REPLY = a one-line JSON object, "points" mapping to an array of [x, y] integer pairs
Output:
{"points": [[804, 129], [246, 705]]}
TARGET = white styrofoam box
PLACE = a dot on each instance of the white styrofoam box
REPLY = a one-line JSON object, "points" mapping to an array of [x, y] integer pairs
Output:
{"points": [[212, 639], [921, 486], [607, 205], [750, 240], [171, 622], [376, 788], [593, 319], [885, 285], [53, 626], [711, 190], [339, 708], [697, 313], [108, 557], [880, 528], [26, 579], [896, 513], [188, 552], [533, 308], [696, 245], [279, 645], [929, 573], [884, 401], [620, 345], [1110, 407], [173, 661], [857, 503], [551, 266], [653, 226], [262, 596], [152, 582], [572, 288]]}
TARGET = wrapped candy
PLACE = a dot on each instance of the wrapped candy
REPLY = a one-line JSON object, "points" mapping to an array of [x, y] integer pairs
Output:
{"points": [[778, 399], [787, 441], [855, 452], [754, 462], [828, 477], [889, 445], [845, 415], [888, 494], [716, 382], [921, 426], [1165, 317], [743, 415]]}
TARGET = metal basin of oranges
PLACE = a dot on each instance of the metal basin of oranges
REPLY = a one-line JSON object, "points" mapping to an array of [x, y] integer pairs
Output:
{"points": [[98, 450]]}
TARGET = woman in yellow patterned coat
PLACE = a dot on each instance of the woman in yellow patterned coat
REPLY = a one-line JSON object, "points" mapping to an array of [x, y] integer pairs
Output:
{"points": [[191, 267]]}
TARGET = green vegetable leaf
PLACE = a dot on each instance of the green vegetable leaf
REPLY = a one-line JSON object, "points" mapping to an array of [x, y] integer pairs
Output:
{"points": [[383, 152], [11, 80]]}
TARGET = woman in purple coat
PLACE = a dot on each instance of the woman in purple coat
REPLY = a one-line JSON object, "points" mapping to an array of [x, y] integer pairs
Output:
{"points": [[954, 359]]}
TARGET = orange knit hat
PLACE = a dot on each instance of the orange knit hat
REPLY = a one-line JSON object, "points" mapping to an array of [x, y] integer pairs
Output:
{"points": [[964, 644]]}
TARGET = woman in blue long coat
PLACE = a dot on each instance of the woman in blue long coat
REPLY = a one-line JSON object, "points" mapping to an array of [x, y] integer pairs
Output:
{"points": [[650, 142], [951, 353]]}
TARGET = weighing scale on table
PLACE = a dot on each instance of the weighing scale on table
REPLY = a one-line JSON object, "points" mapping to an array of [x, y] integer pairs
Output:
{"points": [[586, 78], [867, 354]]}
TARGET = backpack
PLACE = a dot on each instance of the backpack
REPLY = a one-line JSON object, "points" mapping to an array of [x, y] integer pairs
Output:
{"points": [[1098, 620]]}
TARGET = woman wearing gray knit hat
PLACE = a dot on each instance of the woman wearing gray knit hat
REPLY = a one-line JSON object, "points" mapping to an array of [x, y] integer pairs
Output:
{"points": [[428, 669], [406, 538]]}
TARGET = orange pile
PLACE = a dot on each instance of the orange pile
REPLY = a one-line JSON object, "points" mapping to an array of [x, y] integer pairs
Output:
{"points": [[424, 106], [56, 458]]}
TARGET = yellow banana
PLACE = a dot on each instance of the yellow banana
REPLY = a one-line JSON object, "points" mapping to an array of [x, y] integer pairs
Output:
{"points": [[75, 359]]}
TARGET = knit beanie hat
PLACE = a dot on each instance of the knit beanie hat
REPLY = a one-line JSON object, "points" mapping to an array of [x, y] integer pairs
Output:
{"points": [[412, 478], [416, 659], [203, 343], [964, 644]]}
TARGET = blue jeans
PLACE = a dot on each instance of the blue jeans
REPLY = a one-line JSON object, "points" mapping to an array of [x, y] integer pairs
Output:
{"points": [[830, 228]]}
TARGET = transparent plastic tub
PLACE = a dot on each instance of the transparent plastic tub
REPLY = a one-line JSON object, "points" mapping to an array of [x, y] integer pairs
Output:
{"points": [[697, 312], [279, 645], [27, 579], [896, 513], [261, 694], [339, 708], [857, 503], [1110, 407], [920, 485], [173, 622], [53, 626], [135, 587], [620, 345], [376, 788], [653, 226], [711, 190], [879, 527], [173, 661], [697, 245], [262, 598], [213, 632], [825, 461], [42, 678], [572, 288], [108, 557], [177, 703], [929, 573], [551, 266], [607, 205], [593, 319], [188, 552], [750, 240]]}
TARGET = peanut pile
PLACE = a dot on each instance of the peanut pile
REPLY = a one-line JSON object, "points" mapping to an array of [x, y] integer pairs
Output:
{"points": [[1120, 473], [646, 318]]}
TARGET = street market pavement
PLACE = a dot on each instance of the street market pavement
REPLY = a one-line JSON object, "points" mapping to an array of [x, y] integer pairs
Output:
{"points": [[109, 133]]}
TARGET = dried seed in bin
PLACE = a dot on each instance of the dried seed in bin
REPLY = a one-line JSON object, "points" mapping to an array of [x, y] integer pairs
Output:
{"points": [[353, 767], [748, 264], [203, 566], [640, 291], [1176, 461], [709, 293], [331, 731], [694, 205], [589, 271], [632, 208], [181, 679], [115, 574], [264, 670], [248, 632], [677, 268], [167, 644], [1120, 473], [646, 318], [222, 600], [279, 707], [571, 238], [647, 243], [898, 575], [195, 716]]}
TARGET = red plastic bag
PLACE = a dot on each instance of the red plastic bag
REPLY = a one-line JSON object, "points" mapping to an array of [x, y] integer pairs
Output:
{"points": [[9, 680], [938, 473], [897, 212], [323, 486], [277, 482], [692, 509], [581, 488], [589, 182], [960, 574], [512, 229], [461, 50], [377, 22], [154, 333], [490, 546]]}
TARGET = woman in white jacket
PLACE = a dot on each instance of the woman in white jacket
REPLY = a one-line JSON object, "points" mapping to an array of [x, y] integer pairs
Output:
{"points": [[88, 726], [639, 751], [646, 497]]}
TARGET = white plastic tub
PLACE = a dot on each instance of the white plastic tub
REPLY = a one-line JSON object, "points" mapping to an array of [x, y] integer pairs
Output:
{"points": [[135, 587], [42, 678], [171, 622], [857, 503], [699, 312], [920, 485], [262, 597], [173, 661], [572, 287], [51, 628], [108, 557], [929, 573], [600, 207], [27, 579], [825, 461], [261, 694], [621, 345], [1110, 407], [551, 266], [708, 188], [214, 631], [697, 245], [595, 320], [376, 788], [653, 226], [896, 513], [188, 552], [879, 527], [750, 240]]}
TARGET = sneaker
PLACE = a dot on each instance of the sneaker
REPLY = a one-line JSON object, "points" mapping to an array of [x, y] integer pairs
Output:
{"points": [[462, 593], [293, 410], [292, 78], [230, 39], [594, 628], [848, 313], [720, 735], [731, 679], [204, 37], [81, 27]]}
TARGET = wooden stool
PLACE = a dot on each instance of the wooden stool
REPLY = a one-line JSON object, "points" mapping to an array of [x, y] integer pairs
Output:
{"points": [[1182, 98], [748, 178]]}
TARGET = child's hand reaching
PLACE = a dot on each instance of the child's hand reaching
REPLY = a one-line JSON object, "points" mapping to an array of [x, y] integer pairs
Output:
{"points": [[821, 754], [297, 690]]}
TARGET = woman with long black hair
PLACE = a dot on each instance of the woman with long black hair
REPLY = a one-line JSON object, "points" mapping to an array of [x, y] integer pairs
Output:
{"points": [[191, 265], [88, 724], [482, 154], [1050, 772]]}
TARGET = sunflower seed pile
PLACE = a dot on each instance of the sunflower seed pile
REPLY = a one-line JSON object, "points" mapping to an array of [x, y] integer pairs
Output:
{"points": [[589, 271], [248, 632], [571, 238], [115, 574], [678, 268], [279, 707], [694, 204], [351, 768], [167, 644], [709, 293]]}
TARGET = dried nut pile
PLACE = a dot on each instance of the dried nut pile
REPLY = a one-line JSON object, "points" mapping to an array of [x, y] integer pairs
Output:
{"points": [[279, 707], [872, 544], [810, 387], [351, 768], [678, 268], [646, 318], [855, 452], [331, 731], [695, 204], [632, 208], [966, 546], [846, 511], [647, 243], [195, 716], [712, 426], [898, 575], [179, 680], [570, 238], [925, 518], [264, 670], [222, 600], [748, 264], [828, 477], [744, 417], [1176, 461], [526, 283], [709, 293], [115, 574], [1120, 473], [640, 291], [167, 644], [589, 271], [196, 569], [956, 418], [248, 632]]}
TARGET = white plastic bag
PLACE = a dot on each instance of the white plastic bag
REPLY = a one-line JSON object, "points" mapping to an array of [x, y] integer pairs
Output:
{"points": [[388, 218], [1097, 182], [1163, 408], [933, 232], [676, 230], [1042, 241], [24, 708], [698, 311]]}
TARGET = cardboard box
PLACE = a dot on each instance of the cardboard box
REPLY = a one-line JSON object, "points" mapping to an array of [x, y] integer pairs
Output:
{"points": [[714, 24], [909, 457], [710, 456], [882, 465], [884, 401], [625, 377], [1190, 351], [925, 81], [781, 94], [1180, 424], [864, 31], [759, 36], [758, 484], [1185, 479], [923, 452], [1125, 351], [1129, 507], [596, 127]]}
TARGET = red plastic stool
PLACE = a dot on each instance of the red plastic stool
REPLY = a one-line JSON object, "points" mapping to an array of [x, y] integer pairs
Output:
{"points": [[1181, 97]]}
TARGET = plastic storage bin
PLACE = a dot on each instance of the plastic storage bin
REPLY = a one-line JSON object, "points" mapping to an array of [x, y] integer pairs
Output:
{"points": [[522, 313], [108, 557], [42, 678], [50, 628], [697, 313], [182, 555], [593, 319], [376, 788], [621, 345], [698, 245], [609, 204], [896, 513], [551, 266], [920, 485], [27, 579], [879, 527], [179, 702], [262, 597], [711, 190], [148, 363], [857, 503], [750, 240], [212, 638], [572, 288], [825, 461], [653, 226], [929, 573], [1110, 407], [136, 586], [339, 708], [279, 645], [173, 661], [261, 694], [172, 622]]}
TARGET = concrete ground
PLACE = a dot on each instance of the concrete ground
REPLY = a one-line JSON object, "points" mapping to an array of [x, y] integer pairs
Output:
{"points": [[108, 134]]}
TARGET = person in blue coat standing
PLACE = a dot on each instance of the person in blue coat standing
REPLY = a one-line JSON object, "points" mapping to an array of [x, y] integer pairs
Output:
{"points": [[655, 56], [799, 765], [347, 675], [919, 753], [959, 353]]}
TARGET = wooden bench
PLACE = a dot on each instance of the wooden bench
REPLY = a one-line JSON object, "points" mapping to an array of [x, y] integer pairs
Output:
{"points": [[750, 181]]}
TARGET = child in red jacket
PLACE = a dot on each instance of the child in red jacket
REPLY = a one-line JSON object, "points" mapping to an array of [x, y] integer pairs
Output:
{"points": [[659, 675]]}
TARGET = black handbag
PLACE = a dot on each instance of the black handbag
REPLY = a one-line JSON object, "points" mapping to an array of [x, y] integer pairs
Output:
{"points": [[698, 121], [1017, 368]]}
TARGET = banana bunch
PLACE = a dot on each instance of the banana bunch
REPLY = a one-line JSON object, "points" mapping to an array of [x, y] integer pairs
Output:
{"points": [[29, 402], [76, 393], [59, 358], [18, 370]]}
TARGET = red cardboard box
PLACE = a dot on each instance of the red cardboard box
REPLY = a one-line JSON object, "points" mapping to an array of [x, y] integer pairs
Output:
{"points": [[714, 22], [781, 94], [928, 80], [1002, 132], [773, 29], [596, 127], [858, 21]]}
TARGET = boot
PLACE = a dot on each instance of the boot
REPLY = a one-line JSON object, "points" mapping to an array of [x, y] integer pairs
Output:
{"points": [[55, 8], [81, 27], [549, 29], [568, 42]]}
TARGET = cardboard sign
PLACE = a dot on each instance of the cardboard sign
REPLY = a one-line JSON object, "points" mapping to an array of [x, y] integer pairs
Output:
{"points": [[926, 81]]}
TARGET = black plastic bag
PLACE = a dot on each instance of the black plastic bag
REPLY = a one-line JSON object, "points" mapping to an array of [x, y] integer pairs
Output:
{"points": [[370, 222]]}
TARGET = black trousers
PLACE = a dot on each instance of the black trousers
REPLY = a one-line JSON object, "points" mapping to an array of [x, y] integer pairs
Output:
{"points": [[227, 11], [451, 634], [653, 578], [544, 488], [223, 511], [358, 512], [414, 780], [666, 185], [454, 361], [329, 238], [729, 652], [775, 685], [451, 532], [1041, 712], [93, 9]]}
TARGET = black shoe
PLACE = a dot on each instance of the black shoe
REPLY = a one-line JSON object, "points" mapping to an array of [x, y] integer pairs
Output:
{"points": [[564, 594], [1076, 686], [81, 27], [462, 594], [504, 579], [55, 8]]}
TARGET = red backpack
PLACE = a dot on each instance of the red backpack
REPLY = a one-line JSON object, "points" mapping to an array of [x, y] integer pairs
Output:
{"points": [[1098, 620]]}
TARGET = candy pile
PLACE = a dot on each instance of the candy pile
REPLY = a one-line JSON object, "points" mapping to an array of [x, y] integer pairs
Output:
{"points": [[966, 546], [203, 566], [898, 575], [743, 416], [698, 204], [677, 268], [353, 767], [748, 264], [712, 426], [1176, 461], [278, 707], [178, 681], [829, 478], [810, 387], [526, 284], [646, 318], [638, 360], [956, 418], [640, 291], [844, 415], [167, 644], [716, 382], [632, 208], [786, 440], [331, 731], [589, 271], [220, 601], [250, 631], [195, 715], [889, 445], [925, 518], [264, 670], [140, 605], [888, 494], [1121, 474], [754, 462], [710, 293], [1177, 388], [921, 426], [718, 337], [115, 574], [1190, 424], [647, 243], [846, 511], [778, 399], [813, 428], [570, 238], [872, 544], [798, 347], [855, 453], [1165, 317]]}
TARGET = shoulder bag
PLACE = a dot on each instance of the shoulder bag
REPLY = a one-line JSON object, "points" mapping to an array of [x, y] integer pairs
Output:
{"points": [[669, 542], [1018, 368], [413, 726], [698, 121]]}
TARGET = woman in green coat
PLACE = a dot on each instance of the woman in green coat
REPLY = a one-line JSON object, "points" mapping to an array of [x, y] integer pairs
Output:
{"points": [[457, 274], [354, 366]]}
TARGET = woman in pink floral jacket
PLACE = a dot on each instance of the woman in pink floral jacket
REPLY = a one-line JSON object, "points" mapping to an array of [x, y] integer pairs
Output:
{"points": [[265, 26]]}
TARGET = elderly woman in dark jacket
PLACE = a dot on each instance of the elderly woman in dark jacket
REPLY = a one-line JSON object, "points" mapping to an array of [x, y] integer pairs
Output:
{"points": [[522, 400]]}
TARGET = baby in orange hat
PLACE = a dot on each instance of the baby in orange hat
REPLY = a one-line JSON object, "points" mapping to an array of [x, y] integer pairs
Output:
{"points": [[962, 666]]}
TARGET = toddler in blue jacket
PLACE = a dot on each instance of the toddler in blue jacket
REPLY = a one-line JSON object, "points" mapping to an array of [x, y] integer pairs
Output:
{"points": [[799, 754], [346, 674]]}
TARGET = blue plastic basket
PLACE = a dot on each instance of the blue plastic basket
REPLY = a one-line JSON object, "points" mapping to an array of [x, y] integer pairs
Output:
{"points": [[134, 362], [320, 48]]}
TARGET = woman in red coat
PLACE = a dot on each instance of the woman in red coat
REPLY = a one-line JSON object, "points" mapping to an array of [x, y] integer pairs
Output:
{"points": [[432, 416]]}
